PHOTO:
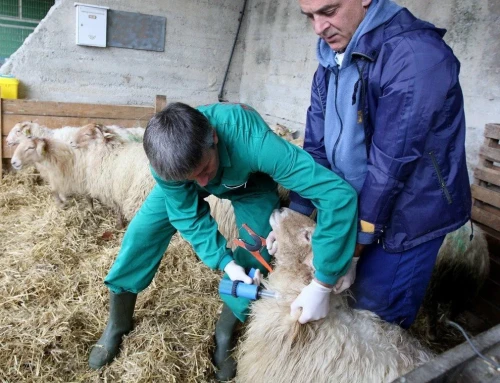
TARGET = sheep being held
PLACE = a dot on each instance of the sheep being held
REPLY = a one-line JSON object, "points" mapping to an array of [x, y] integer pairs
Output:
{"points": [[347, 346]]}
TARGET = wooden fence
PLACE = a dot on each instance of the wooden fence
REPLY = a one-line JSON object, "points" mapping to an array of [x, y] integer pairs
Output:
{"points": [[58, 114]]}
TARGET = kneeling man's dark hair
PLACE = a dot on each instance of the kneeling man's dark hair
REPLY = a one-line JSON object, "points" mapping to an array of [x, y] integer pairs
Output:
{"points": [[175, 140]]}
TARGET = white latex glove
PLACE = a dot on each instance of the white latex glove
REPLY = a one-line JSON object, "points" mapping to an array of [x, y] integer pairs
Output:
{"points": [[257, 277], [237, 273], [314, 301], [347, 280], [272, 243]]}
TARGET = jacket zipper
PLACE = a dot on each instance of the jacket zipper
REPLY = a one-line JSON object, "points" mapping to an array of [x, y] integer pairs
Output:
{"points": [[337, 75], [440, 178]]}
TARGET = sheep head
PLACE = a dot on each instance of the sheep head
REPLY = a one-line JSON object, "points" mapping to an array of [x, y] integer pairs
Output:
{"points": [[28, 152], [88, 135], [293, 232], [20, 131]]}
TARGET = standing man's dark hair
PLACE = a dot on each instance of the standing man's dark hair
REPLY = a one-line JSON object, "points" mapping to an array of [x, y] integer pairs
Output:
{"points": [[175, 140]]}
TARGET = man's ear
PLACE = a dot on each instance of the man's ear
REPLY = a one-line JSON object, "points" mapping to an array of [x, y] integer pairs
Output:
{"points": [[41, 146], [216, 138]]}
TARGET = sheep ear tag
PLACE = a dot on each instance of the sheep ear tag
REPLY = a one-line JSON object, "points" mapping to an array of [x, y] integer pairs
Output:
{"points": [[27, 132]]}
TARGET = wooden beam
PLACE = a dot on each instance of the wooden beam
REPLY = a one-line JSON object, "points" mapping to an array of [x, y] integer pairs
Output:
{"points": [[486, 218], [492, 131], [1, 151], [491, 154], [488, 174], [160, 103], [64, 109], [58, 122], [486, 195]]}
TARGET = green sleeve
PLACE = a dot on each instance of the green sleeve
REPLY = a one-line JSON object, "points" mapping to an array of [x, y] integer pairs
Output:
{"points": [[190, 215], [334, 238]]}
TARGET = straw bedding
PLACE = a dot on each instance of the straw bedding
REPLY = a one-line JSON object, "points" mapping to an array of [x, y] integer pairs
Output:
{"points": [[54, 306]]}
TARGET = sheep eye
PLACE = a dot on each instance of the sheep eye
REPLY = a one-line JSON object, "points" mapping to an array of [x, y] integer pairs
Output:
{"points": [[88, 134], [30, 148]]}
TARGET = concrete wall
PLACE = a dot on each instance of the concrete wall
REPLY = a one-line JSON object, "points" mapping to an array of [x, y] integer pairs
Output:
{"points": [[278, 49], [199, 37], [271, 69]]}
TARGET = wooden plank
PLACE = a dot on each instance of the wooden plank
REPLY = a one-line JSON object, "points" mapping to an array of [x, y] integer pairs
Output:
{"points": [[488, 230], [492, 131], [1, 149], [489, 153], [495, 271], [490, 292], [486, 218], [65, 109], [160, 103], [57, 122], [486, 195], [440, 367], [488, 175], [486, 310]]}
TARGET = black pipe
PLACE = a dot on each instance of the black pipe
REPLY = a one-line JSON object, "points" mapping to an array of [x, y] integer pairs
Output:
{"points": [[232, 52]]}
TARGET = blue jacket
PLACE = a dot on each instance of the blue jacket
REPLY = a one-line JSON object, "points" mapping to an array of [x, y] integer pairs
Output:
{"points": [[417, 186]]}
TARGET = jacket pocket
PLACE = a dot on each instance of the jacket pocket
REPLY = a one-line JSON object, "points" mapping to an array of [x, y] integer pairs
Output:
{"points": [[442, 184]]}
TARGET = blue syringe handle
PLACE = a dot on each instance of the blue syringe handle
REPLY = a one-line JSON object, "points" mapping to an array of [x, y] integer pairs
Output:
{"points": [[238, 289]]}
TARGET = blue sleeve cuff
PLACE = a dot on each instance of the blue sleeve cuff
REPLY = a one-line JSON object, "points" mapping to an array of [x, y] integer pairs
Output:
{"points": [[326, 278], [302, 209], [366, 238]]}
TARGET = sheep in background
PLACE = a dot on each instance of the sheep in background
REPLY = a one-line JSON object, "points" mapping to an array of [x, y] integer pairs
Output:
{"points": [[347, 346], [57, 163], [119, 176], [27, 129], [462, 267]]}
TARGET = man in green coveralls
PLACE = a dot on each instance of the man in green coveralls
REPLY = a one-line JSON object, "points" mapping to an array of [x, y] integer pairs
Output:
{"points": [[229, 151]]}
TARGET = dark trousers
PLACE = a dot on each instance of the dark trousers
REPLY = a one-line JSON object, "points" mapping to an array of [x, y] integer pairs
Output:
{"points": [[393, 285]]}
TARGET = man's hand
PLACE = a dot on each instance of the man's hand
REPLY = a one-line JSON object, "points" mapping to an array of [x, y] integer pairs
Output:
{"points": [[347, 280], [314, 301], [237, 273]]}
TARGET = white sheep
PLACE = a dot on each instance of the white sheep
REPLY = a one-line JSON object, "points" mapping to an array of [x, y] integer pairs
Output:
{"points": [[462, 267], [347, 346], [57, 163], [119, 176], [28, 129]]}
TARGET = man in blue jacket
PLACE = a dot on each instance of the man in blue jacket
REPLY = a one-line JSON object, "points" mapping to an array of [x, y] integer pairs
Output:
{"points": [[387, 115]]}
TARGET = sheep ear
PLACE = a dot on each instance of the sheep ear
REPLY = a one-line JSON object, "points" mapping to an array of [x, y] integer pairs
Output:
{"points": [[306, 234], [41, 147]]}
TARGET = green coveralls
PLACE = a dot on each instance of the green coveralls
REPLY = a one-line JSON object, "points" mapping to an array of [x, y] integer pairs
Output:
{"points": [[250, 156]]}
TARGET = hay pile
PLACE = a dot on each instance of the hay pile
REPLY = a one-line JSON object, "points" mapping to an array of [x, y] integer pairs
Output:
{"points": [[54, 306]]}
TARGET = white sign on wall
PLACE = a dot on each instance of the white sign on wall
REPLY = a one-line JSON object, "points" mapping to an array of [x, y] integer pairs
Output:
{"points": [[91, 23]]}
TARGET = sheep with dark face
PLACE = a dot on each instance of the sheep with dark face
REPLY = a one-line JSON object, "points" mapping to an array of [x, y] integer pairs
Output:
{"points": [[347, 346], [462, 267]]}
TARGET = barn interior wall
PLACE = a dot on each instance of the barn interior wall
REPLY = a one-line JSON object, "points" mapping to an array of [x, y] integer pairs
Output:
{"points": [[279, 59], [271, 69], [199, 37]]}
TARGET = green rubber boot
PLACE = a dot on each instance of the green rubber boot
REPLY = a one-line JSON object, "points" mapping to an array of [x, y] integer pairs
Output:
{"points": [[225, 340], [121, 309]]}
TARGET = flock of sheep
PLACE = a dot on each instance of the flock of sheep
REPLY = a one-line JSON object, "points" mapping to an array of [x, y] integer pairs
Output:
{"points": [[108, 163]]}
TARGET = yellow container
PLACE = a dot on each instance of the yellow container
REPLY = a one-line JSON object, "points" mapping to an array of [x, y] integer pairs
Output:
{"points": [[8, 86]]}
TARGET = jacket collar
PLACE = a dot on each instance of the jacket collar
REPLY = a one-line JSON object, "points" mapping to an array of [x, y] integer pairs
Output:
{"points": [[370, 44]]}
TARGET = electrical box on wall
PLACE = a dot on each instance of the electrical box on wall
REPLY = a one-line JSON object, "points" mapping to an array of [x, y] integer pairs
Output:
{"points": [[91, 24]]}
